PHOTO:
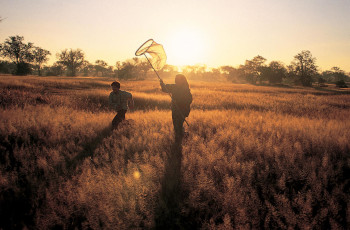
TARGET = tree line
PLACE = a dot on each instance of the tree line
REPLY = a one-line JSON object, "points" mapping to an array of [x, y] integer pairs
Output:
{"points": [[22, 58]]}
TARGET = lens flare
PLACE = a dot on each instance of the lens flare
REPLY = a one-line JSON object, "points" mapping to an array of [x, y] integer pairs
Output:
{"points": [[136, 174]]}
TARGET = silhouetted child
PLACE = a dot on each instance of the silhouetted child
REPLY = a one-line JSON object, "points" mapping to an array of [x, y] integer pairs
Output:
{"points": [[180, 103], [120, 101]]}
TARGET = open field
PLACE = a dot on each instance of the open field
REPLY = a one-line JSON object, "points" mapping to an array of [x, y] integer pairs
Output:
{"points": [[256, 157]]}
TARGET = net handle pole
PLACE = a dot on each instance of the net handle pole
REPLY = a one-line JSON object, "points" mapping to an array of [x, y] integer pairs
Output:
{"points": [[166, 89], [153, 67]]}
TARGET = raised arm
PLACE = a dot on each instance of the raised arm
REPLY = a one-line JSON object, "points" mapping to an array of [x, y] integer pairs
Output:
{"points": [[167, 88]]}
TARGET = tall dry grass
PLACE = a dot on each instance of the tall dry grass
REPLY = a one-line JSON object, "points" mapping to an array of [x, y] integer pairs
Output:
{"points": [[255, 157]]}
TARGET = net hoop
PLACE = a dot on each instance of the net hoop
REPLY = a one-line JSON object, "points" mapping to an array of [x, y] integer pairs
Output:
{"points": [[144, 47]]}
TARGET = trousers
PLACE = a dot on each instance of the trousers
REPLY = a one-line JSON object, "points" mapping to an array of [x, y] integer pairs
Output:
{"points": [[118, 118], [178, 121]]}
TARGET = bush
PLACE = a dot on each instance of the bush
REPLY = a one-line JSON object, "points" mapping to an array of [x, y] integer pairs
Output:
{"points": [[6, 67], [23, 68], [341, 84], [306, 81]]}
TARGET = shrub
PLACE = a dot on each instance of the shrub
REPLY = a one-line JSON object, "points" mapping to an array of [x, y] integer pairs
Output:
{"points": [[341, 84], [23, 68]]}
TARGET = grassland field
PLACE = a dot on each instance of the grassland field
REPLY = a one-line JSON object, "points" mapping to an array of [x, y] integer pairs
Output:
{"points": [[257, 157]]}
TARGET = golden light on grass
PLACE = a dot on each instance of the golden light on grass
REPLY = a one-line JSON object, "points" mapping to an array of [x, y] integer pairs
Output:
{"points": [[250, 150], [136, 175]]}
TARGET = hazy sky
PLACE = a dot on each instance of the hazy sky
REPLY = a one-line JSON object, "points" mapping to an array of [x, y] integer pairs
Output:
{"points": [[211, 32]]}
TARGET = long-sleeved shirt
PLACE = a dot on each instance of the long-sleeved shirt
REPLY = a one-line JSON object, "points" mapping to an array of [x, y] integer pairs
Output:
{"points": [[181, 98], [119, 101]]}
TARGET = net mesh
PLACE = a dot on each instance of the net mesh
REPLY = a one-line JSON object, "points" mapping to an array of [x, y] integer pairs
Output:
{"points": [[155, 51]]}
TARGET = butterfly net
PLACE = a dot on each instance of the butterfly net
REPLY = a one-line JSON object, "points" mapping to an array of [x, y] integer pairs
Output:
{"points": [[155, 51]]}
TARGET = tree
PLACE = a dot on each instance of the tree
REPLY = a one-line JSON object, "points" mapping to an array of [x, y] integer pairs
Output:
{"points": [[195, 71], [132, 69], [7, 67], [335, 75], [304, 68], [274, 73], [20, 53], [87, 68], [141, 68], [214, 74], [56, 69], [100, 67], [166, 72], [233, 74], [126, 70], [40, 56], [341, 84], [253, 69], [72, 59], [339, 75], [144, 67], [321, 82]]}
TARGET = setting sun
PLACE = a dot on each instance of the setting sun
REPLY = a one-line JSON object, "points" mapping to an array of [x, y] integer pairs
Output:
{"points": [[185, 47]]}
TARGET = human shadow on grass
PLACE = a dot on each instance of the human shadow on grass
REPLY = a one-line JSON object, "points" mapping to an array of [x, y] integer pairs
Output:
{"points": [[88, 149], [168, 211]]}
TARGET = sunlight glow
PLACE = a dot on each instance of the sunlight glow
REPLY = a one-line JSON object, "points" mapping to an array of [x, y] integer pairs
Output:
{"points": [[186, 47]]}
